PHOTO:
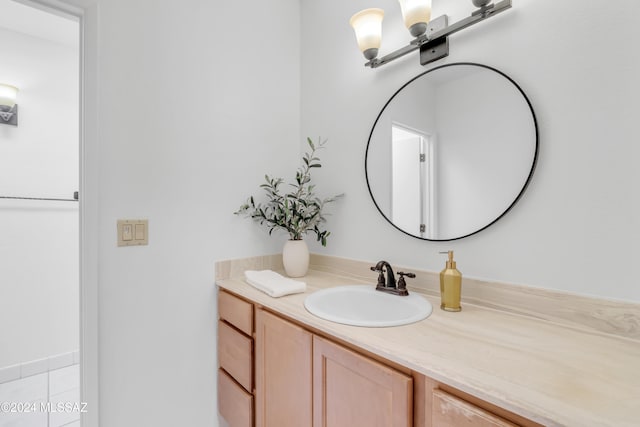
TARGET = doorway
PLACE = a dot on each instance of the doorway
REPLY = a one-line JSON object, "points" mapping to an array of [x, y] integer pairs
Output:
{"points": [[40, 217]]}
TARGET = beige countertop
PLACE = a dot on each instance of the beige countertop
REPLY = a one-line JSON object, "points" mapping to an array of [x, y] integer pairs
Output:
{"points": [[551, 374]]}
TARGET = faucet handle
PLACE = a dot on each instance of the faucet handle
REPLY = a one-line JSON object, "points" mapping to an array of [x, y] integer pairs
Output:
{"points": [[402, 285], [381, 281], [409, 275]]}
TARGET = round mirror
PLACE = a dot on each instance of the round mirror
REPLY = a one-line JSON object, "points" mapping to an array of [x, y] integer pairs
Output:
{"points": [[451, 151]]}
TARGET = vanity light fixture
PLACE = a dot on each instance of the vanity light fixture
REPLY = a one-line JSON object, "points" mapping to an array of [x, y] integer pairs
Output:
{"points": [[368, 27], [8, 106], [431, 35]]}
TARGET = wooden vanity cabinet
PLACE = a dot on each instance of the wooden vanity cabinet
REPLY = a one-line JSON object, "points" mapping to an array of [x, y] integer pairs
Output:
{"points": [[235, 360], [275, 373]]}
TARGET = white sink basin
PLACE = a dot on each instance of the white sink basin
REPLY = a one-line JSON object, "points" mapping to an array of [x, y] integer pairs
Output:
{"points": [[362, 305]]}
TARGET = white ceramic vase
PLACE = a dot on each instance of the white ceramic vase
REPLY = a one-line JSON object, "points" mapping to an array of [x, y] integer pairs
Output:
{"points": [[295, 257]]}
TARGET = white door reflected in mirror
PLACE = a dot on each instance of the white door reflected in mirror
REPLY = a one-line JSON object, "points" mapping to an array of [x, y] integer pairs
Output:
{"points": [[412, 180]]}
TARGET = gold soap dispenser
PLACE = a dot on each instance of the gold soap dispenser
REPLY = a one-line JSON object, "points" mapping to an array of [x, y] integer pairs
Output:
{"points": [[450, 285]]}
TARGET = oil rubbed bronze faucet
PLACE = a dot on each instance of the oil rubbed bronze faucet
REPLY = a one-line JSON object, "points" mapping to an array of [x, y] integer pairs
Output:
{"points": [[390, 285]]}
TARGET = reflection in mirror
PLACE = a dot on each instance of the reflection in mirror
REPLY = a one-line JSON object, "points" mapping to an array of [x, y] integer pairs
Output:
{"points": [[411, 181], [451, 151]]}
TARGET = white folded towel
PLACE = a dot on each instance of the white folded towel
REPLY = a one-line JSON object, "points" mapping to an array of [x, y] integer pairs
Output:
{"points": [[273, 284]]}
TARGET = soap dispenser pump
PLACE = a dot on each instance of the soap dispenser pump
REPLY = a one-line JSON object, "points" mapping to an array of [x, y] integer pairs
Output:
{"points": [[450, 285]]}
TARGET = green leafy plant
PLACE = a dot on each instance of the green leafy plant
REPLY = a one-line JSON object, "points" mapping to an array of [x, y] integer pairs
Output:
{"points": [[298, 211]]}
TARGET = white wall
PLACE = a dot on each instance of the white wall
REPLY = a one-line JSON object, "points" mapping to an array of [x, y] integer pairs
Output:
{"points": [[39, 239], [197, 101], [576, 228]]}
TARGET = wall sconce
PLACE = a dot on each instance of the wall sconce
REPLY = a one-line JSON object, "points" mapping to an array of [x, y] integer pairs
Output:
{"points": [[8, 106], [368, 27], [431, 36]]}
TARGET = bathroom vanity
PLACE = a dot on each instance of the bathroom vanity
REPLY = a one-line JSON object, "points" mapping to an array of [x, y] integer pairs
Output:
{"points": [[281, 366]]}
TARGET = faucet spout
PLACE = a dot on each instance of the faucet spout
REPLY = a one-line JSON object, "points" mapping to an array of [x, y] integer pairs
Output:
{"points": [[383, 266]]}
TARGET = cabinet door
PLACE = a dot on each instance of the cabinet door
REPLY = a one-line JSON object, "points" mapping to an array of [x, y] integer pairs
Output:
{"points": [[352, 390], [450, 411], [283, 373]]}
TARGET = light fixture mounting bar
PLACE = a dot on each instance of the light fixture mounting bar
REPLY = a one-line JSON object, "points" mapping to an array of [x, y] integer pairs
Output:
{"points": [[479, 15], [9, 116], [436, 25], [438, 28]]}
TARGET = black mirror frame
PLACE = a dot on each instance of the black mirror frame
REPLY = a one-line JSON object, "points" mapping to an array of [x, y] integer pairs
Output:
{"points": [[524, 187]]}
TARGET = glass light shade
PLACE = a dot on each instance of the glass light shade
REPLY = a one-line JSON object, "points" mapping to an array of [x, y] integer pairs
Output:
{"points": [[8, 95], [415, 11], [367, 25]]}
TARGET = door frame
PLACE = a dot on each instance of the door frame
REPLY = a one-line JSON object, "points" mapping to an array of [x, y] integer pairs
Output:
{"points": [[86, 12]]}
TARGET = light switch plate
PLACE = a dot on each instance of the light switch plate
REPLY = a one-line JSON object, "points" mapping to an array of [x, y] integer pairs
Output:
{"points": [[133, 232]]}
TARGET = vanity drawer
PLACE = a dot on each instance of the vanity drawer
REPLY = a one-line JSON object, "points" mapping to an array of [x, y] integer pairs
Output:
{"points": [[234, 403], [235, 354], [451, 411], [237, 312]]}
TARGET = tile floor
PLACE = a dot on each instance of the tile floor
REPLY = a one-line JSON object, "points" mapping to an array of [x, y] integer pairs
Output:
{"points": [[60, 385]]}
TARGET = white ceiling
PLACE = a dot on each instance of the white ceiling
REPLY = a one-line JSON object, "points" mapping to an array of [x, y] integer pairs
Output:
{"points": [[29, 20]]}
